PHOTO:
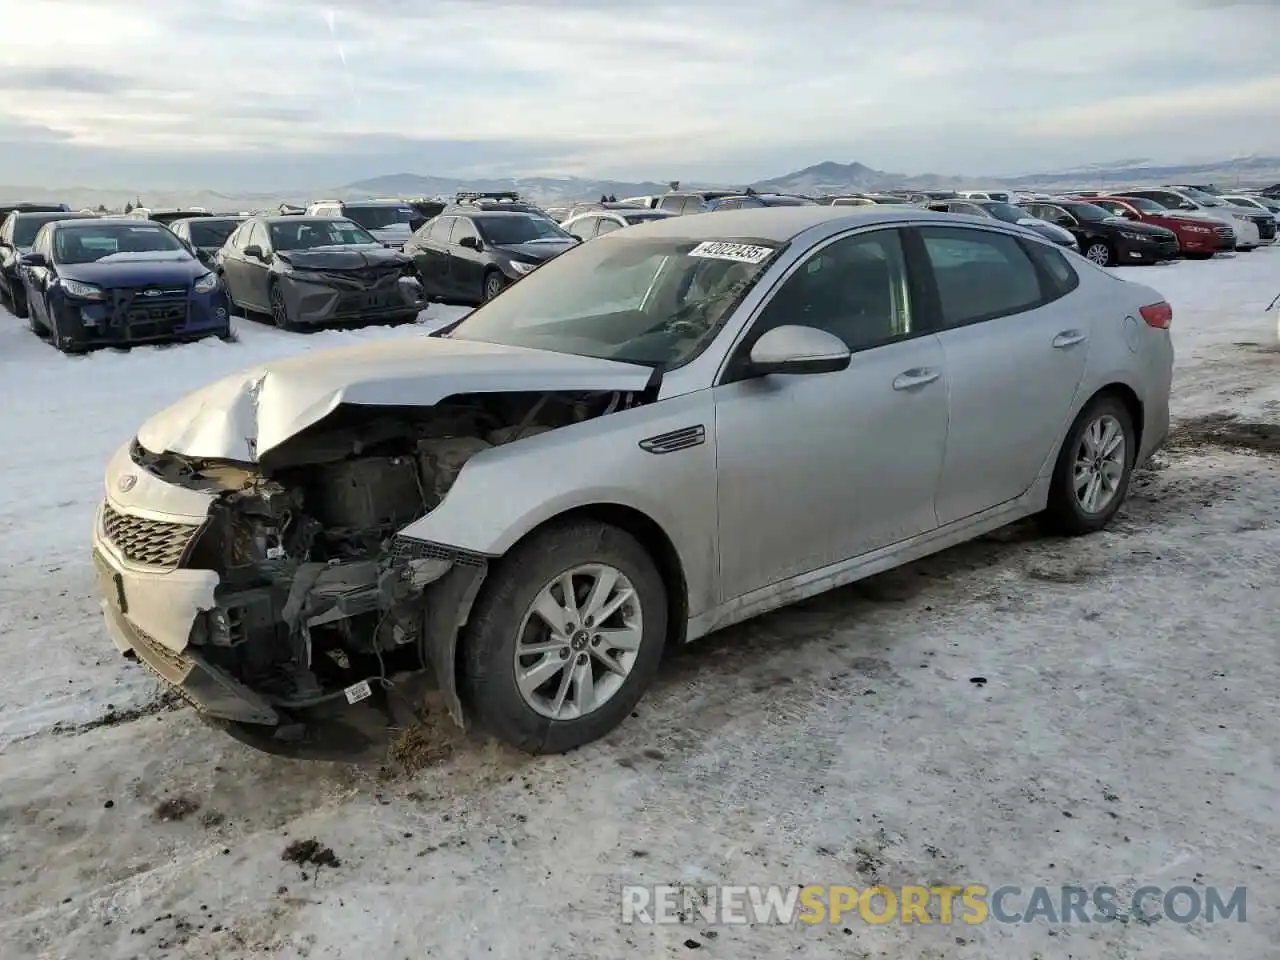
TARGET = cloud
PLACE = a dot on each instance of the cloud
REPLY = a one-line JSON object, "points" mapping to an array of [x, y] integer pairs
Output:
{"points": [[266, 90]]}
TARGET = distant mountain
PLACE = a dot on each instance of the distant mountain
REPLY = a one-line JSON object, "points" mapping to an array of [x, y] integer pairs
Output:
{"points": [[821, 178], [831, 177]]}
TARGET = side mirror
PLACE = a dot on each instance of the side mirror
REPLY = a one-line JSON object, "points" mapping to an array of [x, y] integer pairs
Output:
{"points": [[799, 350], [34, 260], [254, 251], [470, 243], [1064, 221], [1187, 206]]}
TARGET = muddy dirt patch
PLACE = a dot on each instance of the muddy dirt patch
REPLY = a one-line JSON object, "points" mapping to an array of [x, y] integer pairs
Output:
{"points": [[1225, 431]]}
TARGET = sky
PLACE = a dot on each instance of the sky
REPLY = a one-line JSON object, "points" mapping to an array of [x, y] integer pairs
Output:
{"points": [[273, 94]]}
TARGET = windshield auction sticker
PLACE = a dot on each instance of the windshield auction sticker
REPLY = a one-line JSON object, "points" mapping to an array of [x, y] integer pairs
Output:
{"points": [[738, 252]]}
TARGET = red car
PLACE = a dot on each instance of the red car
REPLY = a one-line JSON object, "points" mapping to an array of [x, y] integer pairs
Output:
{"points": [[1197, 239]]}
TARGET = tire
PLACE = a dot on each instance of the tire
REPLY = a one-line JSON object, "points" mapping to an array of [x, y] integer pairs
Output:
{"points": [[494, 282], [1065, 513], [1198, 256], [489, 659], [279, 309], [19, 304], [1099, 253]]}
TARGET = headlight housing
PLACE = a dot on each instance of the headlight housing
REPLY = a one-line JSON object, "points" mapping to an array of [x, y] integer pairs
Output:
{"points": [[1137, 237], [85, 291], [520, 268], [206, 284], [1243, 216]]}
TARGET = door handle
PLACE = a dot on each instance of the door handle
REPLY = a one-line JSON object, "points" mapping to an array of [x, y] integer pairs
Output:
{"points": [[1068, 338], [916, 377]]}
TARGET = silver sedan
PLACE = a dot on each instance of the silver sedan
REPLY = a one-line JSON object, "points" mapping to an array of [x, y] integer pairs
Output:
{"points": [[679, 426]]}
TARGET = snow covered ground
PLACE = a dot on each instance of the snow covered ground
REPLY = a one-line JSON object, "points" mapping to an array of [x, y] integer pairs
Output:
{"points": [[1124, 733]]}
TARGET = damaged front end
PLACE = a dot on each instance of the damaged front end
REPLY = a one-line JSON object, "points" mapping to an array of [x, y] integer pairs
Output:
{"points": [[318, 597]]}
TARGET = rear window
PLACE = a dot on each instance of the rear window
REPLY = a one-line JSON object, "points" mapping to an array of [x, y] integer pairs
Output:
{"points": [[211, 233], [1058, 277]]}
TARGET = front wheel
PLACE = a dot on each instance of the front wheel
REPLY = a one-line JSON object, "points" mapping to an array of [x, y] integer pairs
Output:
{"points": [[493, 284], [565, 638], [1091, 477], [1098, 253], [279, 309]]}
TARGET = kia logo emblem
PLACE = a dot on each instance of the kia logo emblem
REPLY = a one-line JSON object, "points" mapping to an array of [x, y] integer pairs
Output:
{"points": [[127, 482]]}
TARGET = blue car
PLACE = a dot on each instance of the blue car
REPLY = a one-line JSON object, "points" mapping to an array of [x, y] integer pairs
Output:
{"points": [[117, 282]]}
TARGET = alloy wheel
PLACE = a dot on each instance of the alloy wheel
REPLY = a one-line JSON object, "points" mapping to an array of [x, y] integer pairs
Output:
{"points": [[279, 312], [492, 286], [1099, 254], [578, 641], [1099, 464]]}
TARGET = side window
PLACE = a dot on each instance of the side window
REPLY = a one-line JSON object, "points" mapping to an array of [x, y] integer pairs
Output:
{"points": [[855, 288], [440, 227], [462, 228], [1057, 276], [980, 275], [258, 237], [586, 228], [693, 205], [607, 226], [674, 204], [6, 231], [729, 205], [967, 208]]}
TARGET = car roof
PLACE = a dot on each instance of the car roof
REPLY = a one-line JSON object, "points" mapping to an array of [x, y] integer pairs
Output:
{"points": [[108, 221], [271, 218], [234, 217], [778, 224]]}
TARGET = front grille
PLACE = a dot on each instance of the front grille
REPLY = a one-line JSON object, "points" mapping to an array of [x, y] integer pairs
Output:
{"points": [[145, 313], [153, 543], [1266, 229]]}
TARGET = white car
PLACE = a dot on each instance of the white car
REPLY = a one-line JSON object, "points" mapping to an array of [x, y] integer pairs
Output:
{"points": [[1196, 204], [1004, 196], [1253, 201]]}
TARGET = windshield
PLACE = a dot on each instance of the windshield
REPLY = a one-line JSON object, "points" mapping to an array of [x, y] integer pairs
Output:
{"points": [[300, 234], [1202, 198], [379, 218], [28, 225], [1086, 212], [1007, 212], [1144, 205], [786, 202], [519, 228], [88, 242], [211, 233], [652, 300]]}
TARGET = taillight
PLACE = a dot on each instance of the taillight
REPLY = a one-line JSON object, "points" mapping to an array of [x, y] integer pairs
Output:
{"points": [[1158, 315]]}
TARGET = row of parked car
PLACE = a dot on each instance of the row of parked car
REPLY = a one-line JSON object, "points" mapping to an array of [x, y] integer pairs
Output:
{"points": [[84, 280]]}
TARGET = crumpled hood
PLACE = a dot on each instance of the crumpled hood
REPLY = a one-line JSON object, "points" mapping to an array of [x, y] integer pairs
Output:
{"points": [[247, 414], [343, 258]]}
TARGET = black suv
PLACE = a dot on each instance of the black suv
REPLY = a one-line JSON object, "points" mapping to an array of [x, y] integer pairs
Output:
{"points": [[17, 232], [1104, 238], [471, 256]]}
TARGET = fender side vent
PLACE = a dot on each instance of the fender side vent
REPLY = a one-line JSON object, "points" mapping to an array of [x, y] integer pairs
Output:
{"points": [[681, 439]]}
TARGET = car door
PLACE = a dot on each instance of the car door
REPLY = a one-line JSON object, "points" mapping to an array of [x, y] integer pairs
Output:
{"points": [[466, 266], [232, 263], [431, 257], [1015, 348], [813, 470], [36, 280], [257, 270]]}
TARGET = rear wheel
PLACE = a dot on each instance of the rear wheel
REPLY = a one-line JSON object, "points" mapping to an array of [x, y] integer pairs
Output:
{"points": [[1099, 253], [1091, 477], [566, 637]]}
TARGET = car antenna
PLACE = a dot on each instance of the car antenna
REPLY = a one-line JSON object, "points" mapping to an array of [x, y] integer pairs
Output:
{"points": [[1273, 304]]}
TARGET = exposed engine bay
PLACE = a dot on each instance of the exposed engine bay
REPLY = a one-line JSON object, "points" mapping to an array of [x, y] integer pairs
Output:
{"points": [[317, 593]]}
